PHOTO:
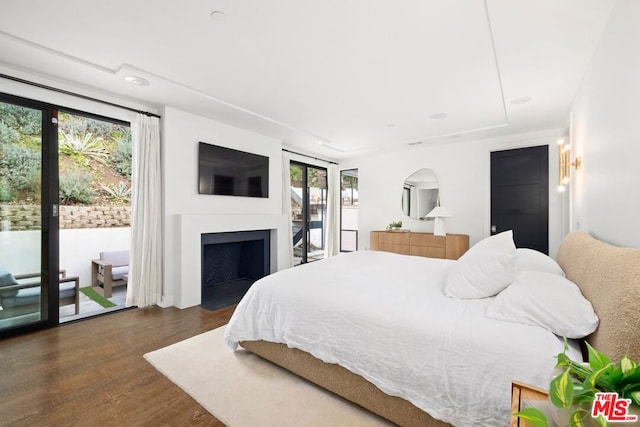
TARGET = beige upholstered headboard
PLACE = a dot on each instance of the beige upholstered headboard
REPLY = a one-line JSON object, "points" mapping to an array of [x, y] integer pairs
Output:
{"points": [[609, 277]]}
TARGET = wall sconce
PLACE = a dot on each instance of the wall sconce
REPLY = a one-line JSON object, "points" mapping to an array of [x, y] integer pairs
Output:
{"points": [[564, 164]]}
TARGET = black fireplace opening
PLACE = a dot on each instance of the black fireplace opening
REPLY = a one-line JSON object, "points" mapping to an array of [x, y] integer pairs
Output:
{"points": [[231, 263]]}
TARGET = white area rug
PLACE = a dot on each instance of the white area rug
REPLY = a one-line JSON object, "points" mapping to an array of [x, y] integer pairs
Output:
{"points": [[241, 389]]}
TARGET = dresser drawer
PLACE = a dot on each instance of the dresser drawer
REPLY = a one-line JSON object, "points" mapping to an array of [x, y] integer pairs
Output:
{"points": [[428, 251], [394, 238], [425, 239], [396, 248]]}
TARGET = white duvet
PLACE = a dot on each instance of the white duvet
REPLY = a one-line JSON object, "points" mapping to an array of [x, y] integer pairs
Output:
{"points": [[386, 317]]}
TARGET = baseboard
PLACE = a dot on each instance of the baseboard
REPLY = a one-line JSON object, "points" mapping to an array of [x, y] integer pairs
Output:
{"points": [[166, 301]]}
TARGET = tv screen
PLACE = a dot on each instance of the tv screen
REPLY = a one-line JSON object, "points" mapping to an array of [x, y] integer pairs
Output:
{"points": [[228, 172]]}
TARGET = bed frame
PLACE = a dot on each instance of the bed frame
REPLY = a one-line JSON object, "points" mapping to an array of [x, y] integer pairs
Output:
{"points": [[608, 276]]}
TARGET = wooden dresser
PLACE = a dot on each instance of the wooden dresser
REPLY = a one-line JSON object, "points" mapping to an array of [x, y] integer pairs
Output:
{"points": [[451, 246]]}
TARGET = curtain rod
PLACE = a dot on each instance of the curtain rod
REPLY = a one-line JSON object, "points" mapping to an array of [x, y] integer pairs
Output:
{"points": [[77, 95], [311, 157]]}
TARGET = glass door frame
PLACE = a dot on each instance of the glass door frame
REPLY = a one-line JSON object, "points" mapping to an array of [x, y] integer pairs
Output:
{"points": [[306, 207], [49, 227]]}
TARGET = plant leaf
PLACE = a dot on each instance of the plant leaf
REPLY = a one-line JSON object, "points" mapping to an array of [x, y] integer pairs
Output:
{"points": [[576, 418], [561, 390], [582, 395], [563, 360], [601, 421], [598, 381], [533, 416], [597, 360], [615, 377], [627, 365]]}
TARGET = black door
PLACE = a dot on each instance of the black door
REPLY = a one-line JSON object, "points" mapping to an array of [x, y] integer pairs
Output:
{"points": [[520, 195], [29, 181]]}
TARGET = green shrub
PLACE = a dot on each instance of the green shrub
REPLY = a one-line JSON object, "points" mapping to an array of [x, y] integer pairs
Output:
{"points": [[121, 158], [27, 120], [21, 168], [118, 193], [8, 135], [86, 146], [75, 188], [5, 192], [106, 130]]}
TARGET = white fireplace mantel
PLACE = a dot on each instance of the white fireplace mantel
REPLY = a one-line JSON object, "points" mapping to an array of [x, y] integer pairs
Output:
{"points": [[191, 228]]}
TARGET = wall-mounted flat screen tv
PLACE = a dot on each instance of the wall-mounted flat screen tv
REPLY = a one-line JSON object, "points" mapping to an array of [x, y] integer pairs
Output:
{"points": [[228, 172]]}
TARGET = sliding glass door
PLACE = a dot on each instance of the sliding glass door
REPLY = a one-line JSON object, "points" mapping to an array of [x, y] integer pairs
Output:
{"points": [[28, 206], [308, 212]]}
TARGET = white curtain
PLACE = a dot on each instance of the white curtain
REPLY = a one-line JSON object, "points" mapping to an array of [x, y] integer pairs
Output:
{"points": [[286, 209], [333, 211], [145, 262]]}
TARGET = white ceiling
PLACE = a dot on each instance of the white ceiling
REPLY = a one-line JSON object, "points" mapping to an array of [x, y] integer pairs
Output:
{"points": [[337, 78]]}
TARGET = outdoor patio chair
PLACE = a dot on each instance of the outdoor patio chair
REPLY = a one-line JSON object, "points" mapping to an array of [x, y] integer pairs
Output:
{"points": [[19, 295], [110, 270]]}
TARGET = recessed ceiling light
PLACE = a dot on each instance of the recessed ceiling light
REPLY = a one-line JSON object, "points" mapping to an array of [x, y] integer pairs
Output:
{"points": [[391, 125], [438, 116], [138, 81], [521, 100], [218, 15]]}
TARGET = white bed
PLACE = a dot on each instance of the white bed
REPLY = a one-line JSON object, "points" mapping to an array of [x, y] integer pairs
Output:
{"points": [[386, 318]]}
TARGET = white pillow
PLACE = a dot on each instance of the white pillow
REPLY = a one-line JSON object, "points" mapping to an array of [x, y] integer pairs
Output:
{"points": [[546, 300], [532, 260], [480, 275], [485, 269], [501, 242]]}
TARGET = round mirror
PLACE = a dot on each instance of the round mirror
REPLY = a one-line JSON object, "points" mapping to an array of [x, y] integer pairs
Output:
{"points": [[420, 194]]}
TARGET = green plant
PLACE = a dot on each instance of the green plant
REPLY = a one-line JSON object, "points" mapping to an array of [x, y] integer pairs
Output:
{"points": [[87, 146], [75, 187], [121, 158], [394, 224], [578, 384], [117, 193], [5, 192], [8, 135], [21, 168]]}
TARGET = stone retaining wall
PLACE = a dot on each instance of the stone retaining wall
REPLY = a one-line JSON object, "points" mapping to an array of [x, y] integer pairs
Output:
{"points": [[27, 217]]}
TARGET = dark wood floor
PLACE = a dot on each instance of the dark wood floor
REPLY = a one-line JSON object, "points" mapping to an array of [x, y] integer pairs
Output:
{"points": [[92, 372]]}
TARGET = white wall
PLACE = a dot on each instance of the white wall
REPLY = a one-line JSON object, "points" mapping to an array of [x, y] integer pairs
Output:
{"points": [[463, 173], [188, 214], [606, 134]]}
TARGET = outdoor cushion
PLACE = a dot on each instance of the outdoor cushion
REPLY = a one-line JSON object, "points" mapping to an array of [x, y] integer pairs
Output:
{"points": [[30, 296], [115, 258], [117, 273], [7, 279]]}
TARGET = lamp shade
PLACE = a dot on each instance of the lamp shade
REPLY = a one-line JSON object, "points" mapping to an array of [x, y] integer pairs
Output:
{"points": [[439, 212]]}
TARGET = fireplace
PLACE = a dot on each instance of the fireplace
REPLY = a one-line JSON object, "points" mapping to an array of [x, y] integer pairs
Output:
{"points": [[231, 263]]}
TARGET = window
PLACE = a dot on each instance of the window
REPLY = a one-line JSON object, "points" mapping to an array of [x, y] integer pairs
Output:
{"points": [[349, 210]]}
